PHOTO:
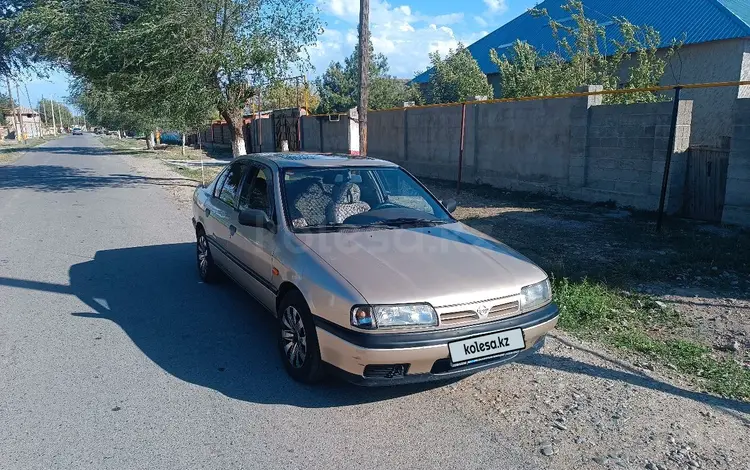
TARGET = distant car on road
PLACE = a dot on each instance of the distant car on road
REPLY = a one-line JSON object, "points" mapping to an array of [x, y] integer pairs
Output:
{"points": [[368, 273], [77, 131]]}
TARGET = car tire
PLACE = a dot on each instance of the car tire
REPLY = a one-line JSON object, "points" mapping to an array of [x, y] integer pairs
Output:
{"points": [[207, 269], [298, 341]]}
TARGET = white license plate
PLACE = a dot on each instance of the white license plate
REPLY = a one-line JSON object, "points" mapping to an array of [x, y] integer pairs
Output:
{"points": [[468, 350]]}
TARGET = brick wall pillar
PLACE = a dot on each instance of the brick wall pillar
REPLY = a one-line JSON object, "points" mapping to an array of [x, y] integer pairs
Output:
{"points": [[737, 200], [678, 167], [579, 128]]}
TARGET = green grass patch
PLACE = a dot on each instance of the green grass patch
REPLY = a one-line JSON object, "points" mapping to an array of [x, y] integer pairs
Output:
{"points": [[624, 320], [12, 151], [195, 173]]}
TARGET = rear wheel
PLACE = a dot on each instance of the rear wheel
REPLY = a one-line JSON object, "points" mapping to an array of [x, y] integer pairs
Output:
{"points": [[207, 269], [298, 341]]}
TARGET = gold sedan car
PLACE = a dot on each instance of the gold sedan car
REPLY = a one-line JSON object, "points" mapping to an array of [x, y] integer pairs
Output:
{"points": [[368, 274]]}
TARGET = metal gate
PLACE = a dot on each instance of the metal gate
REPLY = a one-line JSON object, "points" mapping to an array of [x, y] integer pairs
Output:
{"points": [[286, 127], [706, 183]]}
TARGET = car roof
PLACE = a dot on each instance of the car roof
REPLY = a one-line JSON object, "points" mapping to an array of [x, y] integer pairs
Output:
{"points": [[314, 160]]}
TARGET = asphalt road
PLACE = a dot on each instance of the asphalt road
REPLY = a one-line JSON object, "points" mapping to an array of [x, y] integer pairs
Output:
{"points": [[113, 355]]}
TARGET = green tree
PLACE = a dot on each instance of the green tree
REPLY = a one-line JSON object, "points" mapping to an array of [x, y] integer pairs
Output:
{"points": [[105, 108], [456, 78], [580, 59], [339, 85], [15, 54], [288, 94], [177, 59], [61, 111], [4, 101]]}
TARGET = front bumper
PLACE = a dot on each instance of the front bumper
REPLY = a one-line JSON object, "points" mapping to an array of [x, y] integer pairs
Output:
{"points": [[422, 356]]}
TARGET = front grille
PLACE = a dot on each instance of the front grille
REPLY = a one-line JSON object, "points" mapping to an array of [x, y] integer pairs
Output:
{"points": [[497, 312], [458, 317], [386, 371], [504, 310]]}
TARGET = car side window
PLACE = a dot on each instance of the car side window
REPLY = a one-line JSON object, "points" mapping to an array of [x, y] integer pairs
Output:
{"points": [[228, 193], [256, 192], [220, 182]]}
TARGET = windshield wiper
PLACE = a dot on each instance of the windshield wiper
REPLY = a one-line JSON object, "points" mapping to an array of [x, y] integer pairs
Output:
{"points": [[401, 221], [336, 228]]}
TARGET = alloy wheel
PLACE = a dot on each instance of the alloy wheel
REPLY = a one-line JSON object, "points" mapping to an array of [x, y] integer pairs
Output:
{"points": [[294, 337], [203, 255]]}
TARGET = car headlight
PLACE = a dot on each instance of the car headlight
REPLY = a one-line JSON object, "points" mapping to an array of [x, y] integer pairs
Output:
{"points": [[393, 316], [536, 296]]}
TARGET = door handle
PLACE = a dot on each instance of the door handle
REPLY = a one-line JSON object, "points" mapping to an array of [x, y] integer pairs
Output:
{"points": [[232, 230], [208, 212]]}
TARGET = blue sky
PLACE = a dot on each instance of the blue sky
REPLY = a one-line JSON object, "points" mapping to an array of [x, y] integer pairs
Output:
{"points": [[406, 31]]}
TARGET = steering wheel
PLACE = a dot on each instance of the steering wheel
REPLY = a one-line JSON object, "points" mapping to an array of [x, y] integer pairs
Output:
{"points": [[385, 205]]}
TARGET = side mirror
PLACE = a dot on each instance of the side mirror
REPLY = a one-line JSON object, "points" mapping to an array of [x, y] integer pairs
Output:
{"points": [[450, 205], [255, 218]]}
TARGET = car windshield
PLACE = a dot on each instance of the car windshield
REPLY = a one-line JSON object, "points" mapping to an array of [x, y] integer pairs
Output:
{"points": [[329, 199]]}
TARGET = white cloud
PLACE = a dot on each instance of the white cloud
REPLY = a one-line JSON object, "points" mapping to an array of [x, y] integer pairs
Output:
{"points": [[450, 18], [494, 8], [404, 35]]}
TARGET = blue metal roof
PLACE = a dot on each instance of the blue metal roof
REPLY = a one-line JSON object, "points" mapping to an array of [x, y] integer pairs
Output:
{"points": [[696, 20]]}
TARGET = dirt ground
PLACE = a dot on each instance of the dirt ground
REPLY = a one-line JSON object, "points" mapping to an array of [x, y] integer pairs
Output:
{"points": [[579, 405]]}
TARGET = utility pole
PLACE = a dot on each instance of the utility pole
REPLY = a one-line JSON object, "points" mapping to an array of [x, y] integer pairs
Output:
{"points": [[20, 117], [59, 113], [54, 124], [13, 109], [364, 70], [44, 107], [34, 120]]}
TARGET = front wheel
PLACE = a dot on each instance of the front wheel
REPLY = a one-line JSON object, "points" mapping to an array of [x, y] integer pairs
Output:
{"points": [[298, 342]]}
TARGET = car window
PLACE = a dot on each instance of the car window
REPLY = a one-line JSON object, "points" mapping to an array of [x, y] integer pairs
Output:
{"points": [[220, 182], [316, 198], [403, 190], [228, 193], [256, 192]]}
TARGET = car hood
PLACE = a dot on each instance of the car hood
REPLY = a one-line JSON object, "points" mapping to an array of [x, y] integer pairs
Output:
{"points": [[443, 265]]}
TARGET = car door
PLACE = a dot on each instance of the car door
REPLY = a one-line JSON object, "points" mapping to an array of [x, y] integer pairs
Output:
{"points": [[222, 216], [255, 246]]}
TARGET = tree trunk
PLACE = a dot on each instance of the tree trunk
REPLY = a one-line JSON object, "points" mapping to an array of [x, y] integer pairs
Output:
{"points": [[233, 118], [183, 145], [150, 141], [119, 135]]}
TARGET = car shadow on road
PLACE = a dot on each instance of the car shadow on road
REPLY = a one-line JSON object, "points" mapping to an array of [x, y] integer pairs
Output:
{"points": [[218, 337], [56, 178], [75, 150], [215, 336]]}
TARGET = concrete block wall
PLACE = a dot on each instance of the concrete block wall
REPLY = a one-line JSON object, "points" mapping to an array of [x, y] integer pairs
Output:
{"points": [[386, 132], [212, 136], [524, 145], [432, 141], [737, 200], [320, 134], [574, 147], [626, 150]]}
